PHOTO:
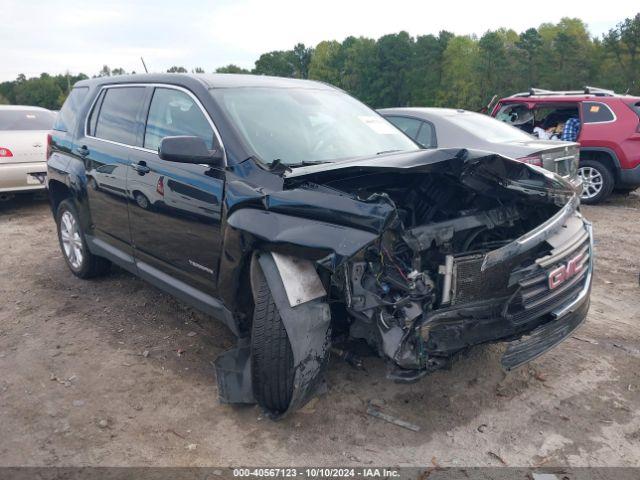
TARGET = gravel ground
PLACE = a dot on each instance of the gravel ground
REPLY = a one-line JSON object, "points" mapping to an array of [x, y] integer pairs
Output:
{"points": [[114, 372]]}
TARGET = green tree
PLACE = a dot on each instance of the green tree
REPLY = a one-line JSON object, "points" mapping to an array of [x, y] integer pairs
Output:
{"points": [[42, 92], [198, 70], [278, 63], [302, 56], [530, 42], [395, 60], [459, 88], [359, 68], [327, 62], [623, 44], [491, 64], [427, 67], [231, 68], [176, 69], [3, 100], [105, 72]]}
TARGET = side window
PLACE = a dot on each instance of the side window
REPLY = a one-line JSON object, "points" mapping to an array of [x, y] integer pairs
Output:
{"points": [[516, 114], [93, 117], [409, 126], [118, 114], [66, 118], [174, 113], [426, 136], [595, 112]]}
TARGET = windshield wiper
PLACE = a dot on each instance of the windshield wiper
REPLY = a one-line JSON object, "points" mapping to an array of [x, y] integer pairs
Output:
{"points": [[388, 151], [307, 163]]}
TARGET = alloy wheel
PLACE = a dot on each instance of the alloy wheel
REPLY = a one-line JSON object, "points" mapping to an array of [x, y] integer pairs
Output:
{"points": [[592, 182], [71, 240]]}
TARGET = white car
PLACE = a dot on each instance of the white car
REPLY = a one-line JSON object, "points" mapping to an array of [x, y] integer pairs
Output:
{"points": [[23, 148]]}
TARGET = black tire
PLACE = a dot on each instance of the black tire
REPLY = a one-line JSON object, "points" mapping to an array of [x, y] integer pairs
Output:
{"points": [[272, 370], [91, 265], [142, 201], [608, 182]]}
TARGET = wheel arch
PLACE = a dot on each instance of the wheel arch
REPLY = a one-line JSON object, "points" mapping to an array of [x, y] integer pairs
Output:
{"points": [[58, 191], [604, 155]]}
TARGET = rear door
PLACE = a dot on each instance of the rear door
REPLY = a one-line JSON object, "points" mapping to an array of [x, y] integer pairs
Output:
{"points": [[175, 208], [113, 131]]}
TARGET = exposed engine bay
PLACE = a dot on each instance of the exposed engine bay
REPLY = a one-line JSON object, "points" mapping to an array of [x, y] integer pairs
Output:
{"points": [[422, 258], [442, 227]]}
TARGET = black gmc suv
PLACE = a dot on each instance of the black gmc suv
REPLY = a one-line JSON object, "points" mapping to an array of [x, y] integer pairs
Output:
{"points": [[298, 216]]}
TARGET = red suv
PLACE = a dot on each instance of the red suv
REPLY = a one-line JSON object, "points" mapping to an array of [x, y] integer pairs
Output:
{"points": [[609, 135]]}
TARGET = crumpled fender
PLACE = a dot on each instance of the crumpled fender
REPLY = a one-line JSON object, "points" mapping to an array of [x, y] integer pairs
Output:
{"points": [[327, 243], [308, 328]]}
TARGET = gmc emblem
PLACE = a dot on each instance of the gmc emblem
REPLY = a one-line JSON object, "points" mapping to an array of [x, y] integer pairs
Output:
{"points": [[564, 272]]}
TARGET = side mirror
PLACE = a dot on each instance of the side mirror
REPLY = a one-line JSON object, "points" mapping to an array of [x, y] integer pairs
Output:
{"points": [[186, 149]]}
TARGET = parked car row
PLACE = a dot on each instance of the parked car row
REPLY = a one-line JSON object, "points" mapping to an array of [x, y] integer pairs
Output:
{"points": [[300, 218]]}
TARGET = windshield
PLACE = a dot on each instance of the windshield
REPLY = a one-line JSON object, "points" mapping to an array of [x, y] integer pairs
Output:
{"points": [[296, 125], [489, 128], [26, 120]]}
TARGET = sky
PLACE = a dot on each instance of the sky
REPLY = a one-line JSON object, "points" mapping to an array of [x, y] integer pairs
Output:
{"points": [[57, 36]]}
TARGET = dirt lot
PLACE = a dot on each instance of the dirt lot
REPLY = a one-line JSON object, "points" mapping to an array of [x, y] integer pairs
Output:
{"points": [[114, 372]]}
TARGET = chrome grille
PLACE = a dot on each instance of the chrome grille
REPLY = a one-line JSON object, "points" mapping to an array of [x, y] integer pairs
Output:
{"points": [[535, 297]]}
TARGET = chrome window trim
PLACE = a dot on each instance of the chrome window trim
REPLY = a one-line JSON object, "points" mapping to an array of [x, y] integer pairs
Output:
{"points": [[613, 114], [154, 85]]}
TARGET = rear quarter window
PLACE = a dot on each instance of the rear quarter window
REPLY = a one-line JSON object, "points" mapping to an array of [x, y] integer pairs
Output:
{"points": [[67, 117], [117, 119], [596, 112]]}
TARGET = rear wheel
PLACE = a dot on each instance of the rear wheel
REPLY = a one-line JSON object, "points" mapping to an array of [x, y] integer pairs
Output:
{"points": [[142, 200], [272, 369], [80, 260], [597, 181]]}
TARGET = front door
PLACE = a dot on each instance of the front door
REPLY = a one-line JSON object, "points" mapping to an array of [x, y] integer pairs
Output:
{"points": [[175, 208], [113, 129]]}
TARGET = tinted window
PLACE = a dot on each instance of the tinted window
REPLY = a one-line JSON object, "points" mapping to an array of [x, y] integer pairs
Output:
{"points": [[66, 119], [594, 112], [487, 128], [174, 113], [426, 136], [93, 117], [26, 119], [117, 117], [409, 126]]}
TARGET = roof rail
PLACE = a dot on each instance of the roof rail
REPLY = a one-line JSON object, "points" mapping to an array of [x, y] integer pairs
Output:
{"points": [[599, 91], [535, 92]]}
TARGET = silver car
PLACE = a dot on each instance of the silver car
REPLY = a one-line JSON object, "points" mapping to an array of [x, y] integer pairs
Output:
{"points": [[451, 128], [23, 148]]}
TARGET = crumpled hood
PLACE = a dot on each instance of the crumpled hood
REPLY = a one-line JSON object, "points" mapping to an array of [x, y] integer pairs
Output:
{"points": [[478, 169]]}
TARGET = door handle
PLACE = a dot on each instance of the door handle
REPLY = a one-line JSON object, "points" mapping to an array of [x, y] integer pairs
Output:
{"points": [[141, 168], [83, 150]]}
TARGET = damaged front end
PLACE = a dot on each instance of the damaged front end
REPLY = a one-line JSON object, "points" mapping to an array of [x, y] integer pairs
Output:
{"points": [[420, 254]]}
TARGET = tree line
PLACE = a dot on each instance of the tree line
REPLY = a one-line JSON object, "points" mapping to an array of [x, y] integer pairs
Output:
{"points": [[444, 70]]}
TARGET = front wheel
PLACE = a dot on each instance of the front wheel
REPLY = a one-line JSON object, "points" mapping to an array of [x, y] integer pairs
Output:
{"points": [[272, 371], [597, 181], [80, 260]]}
